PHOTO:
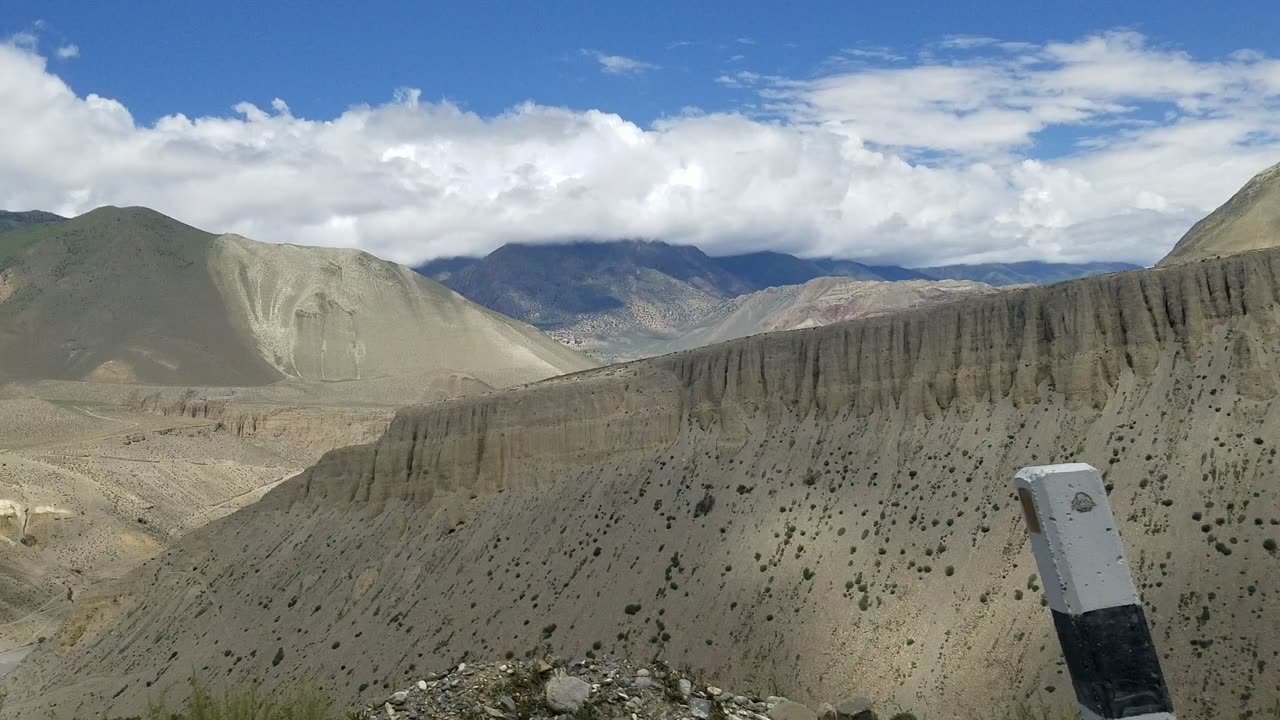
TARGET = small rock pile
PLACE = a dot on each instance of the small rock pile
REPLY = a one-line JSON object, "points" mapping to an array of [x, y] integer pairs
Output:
{"points": [[600, 689]]}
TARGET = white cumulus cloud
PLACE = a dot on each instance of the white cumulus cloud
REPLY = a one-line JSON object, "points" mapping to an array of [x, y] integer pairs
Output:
{"points": [[25, 39], [931, 161], [68, 51], [619, 64]]}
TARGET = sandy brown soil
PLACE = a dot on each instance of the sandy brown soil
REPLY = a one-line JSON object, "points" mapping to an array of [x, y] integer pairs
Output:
{"points": [[90, 489], [9, 659]]}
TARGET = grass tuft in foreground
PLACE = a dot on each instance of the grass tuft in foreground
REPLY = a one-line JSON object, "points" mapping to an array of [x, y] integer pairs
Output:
{"points": [[244, 703]]}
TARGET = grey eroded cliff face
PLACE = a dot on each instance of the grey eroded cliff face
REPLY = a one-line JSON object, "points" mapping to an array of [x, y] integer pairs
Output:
{"points": [[827, 511], [1075, 340]]}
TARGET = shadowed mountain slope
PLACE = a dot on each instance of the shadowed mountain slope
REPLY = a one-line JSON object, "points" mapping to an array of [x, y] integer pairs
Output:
{"points": [[129, 295], [119, 294], [551, 285], [629, 299], [10, 219], [827, 512], [601, 297], [1250, 220]]}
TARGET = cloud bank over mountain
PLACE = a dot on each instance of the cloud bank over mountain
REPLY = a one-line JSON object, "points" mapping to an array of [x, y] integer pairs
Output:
{"points": [[1104, 148]]}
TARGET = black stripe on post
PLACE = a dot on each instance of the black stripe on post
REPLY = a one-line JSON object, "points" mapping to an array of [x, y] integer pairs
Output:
{"points": [[1113, 664]]}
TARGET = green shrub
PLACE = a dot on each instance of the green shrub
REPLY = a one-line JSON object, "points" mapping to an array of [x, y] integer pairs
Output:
{"points": [[244, 703]]}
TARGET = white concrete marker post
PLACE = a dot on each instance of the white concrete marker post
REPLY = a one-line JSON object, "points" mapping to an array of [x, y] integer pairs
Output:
{"points": [[1100, 622]]}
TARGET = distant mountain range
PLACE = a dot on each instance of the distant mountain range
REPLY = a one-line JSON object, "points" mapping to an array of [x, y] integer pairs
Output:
{"points": [[617, 300], [10, 220], [752, 271], [1024, 273], [631, 298], [773, 269]]}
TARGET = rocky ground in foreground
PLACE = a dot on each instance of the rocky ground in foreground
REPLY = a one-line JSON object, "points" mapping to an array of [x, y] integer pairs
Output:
{"points": [[593, 689]]}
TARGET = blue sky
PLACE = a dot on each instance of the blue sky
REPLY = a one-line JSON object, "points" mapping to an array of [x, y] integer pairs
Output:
{"points": [[203, 58], [941, 104]]}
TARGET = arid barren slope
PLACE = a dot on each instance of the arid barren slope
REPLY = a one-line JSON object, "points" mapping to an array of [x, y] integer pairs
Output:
{"points": [[818, 302], [158, 377], [827, 512], [130, 296], [93, 485], [1249, 220], [334, 314]]}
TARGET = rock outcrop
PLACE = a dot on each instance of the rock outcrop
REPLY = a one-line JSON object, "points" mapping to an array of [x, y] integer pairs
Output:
{"points": [[13, 521], [28, 525], [605, 688], [297, 431], [825, 511]]}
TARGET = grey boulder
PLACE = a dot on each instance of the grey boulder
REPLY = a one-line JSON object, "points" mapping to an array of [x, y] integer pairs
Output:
{"points": [[566, 694], [790, 710], [855, 709]]}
